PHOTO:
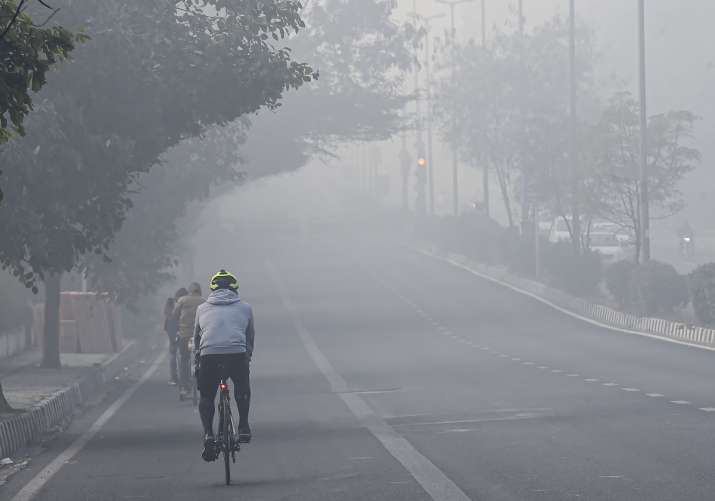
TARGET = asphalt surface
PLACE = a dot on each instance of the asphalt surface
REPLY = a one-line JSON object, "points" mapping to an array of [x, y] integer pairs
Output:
{"points": [[380, 374]]}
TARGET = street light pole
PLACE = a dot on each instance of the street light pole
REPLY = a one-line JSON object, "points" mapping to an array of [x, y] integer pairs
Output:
{"points": [[576, 213], [524, 176], [419, 141], [645, 209], [428, 96], [485, 168], [455, 158]]}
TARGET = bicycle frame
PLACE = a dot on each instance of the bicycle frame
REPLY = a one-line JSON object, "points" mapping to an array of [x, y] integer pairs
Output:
{"points": [[227, 440]]}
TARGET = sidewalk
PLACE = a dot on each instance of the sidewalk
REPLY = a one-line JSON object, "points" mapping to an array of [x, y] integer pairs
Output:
{"points": [[26, 385], [45, 399]]}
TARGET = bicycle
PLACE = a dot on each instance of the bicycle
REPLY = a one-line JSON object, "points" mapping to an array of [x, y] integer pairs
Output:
{"points": [[227, 438]]}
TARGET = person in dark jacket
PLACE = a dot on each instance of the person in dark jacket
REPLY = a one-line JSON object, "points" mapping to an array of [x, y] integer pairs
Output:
{"points": [[171, 327]]}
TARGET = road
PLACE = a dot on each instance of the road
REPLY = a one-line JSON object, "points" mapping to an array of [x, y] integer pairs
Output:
{"points": [[381, 374]]}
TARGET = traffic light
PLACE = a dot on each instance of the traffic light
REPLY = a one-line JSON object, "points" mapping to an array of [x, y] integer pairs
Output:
{"points": [[421, 162]]}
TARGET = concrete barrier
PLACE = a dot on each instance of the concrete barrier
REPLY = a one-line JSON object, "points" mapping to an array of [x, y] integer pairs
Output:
{"points": [[89, 323]]}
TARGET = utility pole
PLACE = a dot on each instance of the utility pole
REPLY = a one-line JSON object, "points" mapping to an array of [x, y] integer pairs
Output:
{"points": [[644, 202], [524, 177], [419, 140], [575, 177], [405, 164], [455, 157], [428, 93], [485, 168]]}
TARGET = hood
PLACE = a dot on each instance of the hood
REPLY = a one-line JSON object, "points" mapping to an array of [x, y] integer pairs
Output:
{"points": [[223, 296]]}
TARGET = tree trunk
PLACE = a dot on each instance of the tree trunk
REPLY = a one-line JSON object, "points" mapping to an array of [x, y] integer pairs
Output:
{"points": [[504, 187], [51, 345]]}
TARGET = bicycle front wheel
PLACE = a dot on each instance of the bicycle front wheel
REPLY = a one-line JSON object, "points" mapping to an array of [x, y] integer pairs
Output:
{"points": [[227, 438]]}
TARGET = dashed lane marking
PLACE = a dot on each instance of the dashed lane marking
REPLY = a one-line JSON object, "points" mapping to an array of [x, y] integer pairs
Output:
{"points": [[654, 395], [632, 390], [433, 480], [611, 385], [680, 402], [707, 409]]}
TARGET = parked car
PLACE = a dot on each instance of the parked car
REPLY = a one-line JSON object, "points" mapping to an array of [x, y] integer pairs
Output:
{"points": [[607, 245], [622, 235]]}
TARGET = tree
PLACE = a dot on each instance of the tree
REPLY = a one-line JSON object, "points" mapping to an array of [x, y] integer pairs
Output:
{"points": [[27, 52], [143, 254], [152, 75], [670, 157], [362, 57], [513, 116]]}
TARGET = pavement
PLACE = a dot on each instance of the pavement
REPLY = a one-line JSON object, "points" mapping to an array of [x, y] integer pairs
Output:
{"points": [[381, 374], [27, 385]]}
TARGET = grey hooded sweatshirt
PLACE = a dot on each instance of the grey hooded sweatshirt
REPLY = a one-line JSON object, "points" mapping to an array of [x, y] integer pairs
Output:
{"points": [[224, 325]]}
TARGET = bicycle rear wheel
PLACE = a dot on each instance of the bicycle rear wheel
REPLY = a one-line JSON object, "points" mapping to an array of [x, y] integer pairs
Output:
{"points": [[227, 436]]}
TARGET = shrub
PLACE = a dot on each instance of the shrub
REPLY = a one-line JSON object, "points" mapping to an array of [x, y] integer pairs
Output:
{"points": [[657, 289], [578, 274], [618, 281], [478, 237], [516, 252], [702, 287]]}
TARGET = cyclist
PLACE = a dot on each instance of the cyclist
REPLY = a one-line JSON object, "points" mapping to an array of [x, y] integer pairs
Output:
{"points": [[185, 313], [224, 337]]}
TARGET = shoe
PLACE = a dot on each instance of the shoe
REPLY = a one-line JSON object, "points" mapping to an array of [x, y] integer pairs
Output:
{"points": [[244, 435], [210, 452]]}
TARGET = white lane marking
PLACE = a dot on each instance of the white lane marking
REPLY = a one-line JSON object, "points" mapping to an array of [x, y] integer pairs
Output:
{"points": [[610, 385], [31, 489], [502, 355], [435, 483], [559, 308], [654, 395], [516, 359], [680, 402], [520, 414], [632, 390], [557, 371], [542, 367], [592, 380], [707, 409], [484, 348], [573, 375], [529, 363]]}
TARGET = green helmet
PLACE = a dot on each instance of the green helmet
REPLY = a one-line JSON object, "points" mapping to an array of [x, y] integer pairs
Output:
{"points": [[224, 280]]}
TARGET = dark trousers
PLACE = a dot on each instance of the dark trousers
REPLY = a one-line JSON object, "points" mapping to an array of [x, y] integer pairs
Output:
{"points": [[236, 367], [184, 362], [172, 356]]}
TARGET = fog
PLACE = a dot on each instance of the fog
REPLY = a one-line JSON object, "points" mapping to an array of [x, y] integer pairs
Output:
{"points": [[430, 267]]}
